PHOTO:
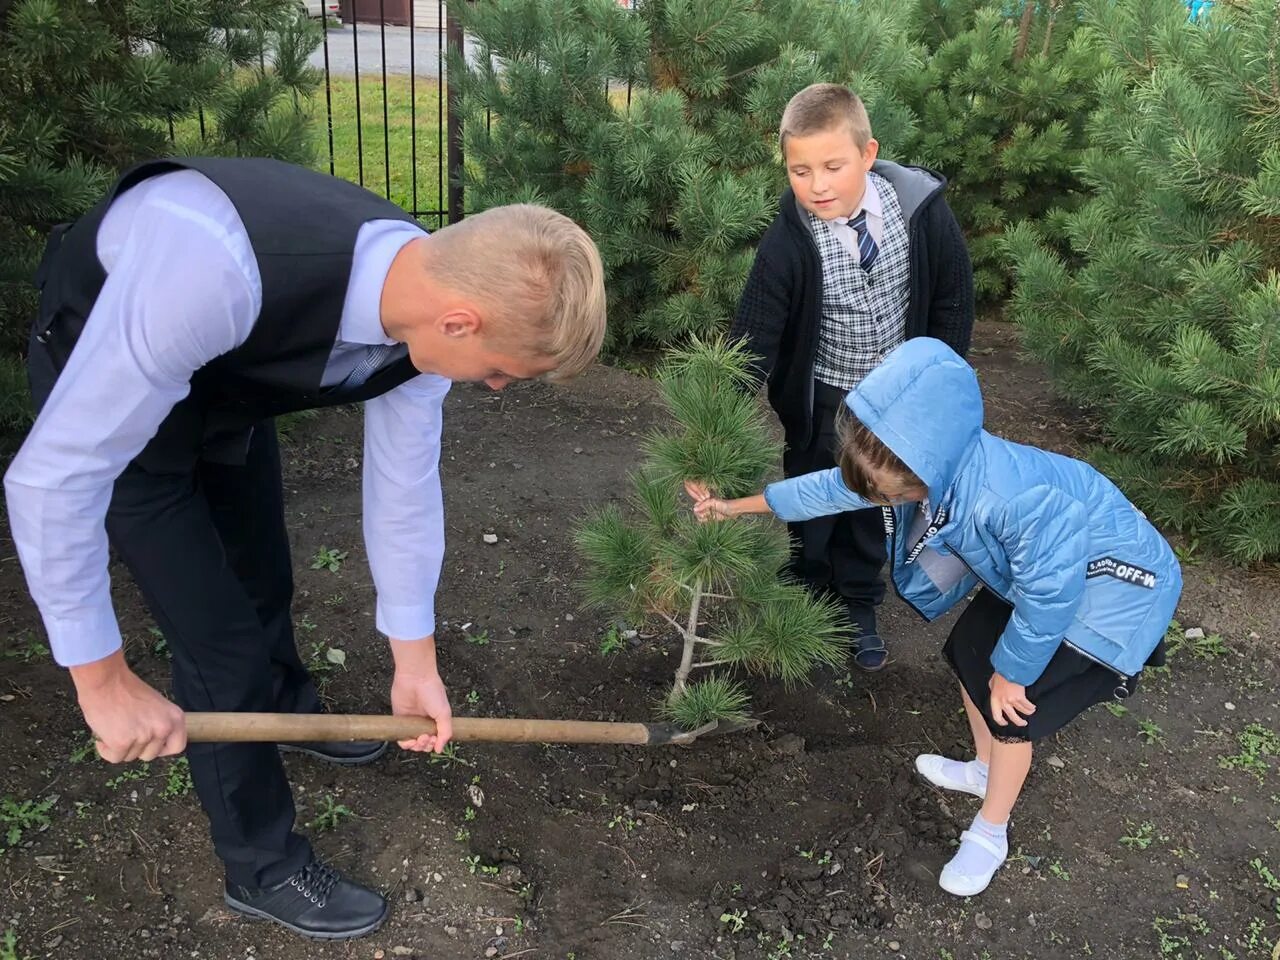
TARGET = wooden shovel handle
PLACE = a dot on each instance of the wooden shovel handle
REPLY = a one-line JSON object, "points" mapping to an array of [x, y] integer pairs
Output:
{"points": [[315, 727]]}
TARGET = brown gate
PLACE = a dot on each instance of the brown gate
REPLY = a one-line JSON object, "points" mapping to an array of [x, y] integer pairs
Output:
{"points": [[376, 11]]}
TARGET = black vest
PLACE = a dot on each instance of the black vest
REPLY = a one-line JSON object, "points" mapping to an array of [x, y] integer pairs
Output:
{"points": [[302, 226]]}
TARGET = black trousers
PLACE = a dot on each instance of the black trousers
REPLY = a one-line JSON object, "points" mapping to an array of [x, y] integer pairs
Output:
{"points": [[843, 554], [208, 549]]}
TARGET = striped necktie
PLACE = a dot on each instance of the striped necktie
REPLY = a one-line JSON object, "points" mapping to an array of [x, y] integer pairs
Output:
{"points": [[369, 364], [868, 249]]}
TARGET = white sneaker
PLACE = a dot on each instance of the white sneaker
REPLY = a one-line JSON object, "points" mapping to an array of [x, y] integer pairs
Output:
{"points": [[934, 769], [968, 884]]}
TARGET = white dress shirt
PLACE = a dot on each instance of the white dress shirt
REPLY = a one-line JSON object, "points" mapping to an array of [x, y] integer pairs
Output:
{"points": [[871, 203], [183, 288]]}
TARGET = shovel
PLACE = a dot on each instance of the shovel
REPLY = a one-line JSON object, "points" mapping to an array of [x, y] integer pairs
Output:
{"points": [[319, 727]]}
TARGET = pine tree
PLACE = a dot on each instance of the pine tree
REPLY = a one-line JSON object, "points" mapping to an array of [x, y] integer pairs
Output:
{"points": [[655, 127], [90, 88], [1002, 105], [717, 586], [1166, 314]]}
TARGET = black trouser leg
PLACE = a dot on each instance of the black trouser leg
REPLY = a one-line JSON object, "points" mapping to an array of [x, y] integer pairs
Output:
{"points": [[845, 553], [247, 505], [230, 643]]}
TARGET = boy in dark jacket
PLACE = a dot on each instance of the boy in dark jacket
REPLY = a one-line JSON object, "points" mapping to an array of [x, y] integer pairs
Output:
{"points": [[863, 254]]}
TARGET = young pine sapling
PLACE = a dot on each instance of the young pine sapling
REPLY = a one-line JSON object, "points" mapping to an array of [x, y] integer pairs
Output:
{"points": [[720, 587]]}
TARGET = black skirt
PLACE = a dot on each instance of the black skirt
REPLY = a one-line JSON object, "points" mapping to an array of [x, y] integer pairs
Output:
{"points": [[1070, 684]]}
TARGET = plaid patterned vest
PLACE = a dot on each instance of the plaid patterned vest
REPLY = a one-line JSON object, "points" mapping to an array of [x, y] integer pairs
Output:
{"points": [[863, 312]]}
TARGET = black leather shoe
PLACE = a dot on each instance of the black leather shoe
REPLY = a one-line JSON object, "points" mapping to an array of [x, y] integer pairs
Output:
{"points": [[315, 902], [350, 753]]}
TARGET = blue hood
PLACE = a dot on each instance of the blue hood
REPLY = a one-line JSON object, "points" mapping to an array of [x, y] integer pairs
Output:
{"points": [[923, 402]]}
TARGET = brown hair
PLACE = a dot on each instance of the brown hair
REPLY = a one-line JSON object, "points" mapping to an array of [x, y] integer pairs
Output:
{"points": [[824, 106], [537, 276], [859, 449]]}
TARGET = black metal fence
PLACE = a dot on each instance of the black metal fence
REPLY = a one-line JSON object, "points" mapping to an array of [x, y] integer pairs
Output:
{"points": [[411, 148], [378, 44]]}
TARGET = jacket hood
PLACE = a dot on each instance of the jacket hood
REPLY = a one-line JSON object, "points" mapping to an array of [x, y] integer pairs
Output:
{"points": [[924, 404]]}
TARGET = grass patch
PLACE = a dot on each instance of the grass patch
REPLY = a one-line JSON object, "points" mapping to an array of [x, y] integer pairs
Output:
{"points": [[387, 148]]}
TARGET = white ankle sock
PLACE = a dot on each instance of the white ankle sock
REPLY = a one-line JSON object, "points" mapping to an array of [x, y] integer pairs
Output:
{"points": [[973, 860], [966, 771]]}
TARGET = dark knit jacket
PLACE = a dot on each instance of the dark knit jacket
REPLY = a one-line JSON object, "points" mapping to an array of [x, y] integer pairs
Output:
{"points": [[780, 312]]}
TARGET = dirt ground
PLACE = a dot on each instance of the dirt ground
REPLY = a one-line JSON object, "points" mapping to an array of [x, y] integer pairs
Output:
{"points": [[1147, 832]]}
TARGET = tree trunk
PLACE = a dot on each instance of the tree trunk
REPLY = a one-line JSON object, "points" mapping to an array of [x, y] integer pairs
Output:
{"points": [[1024, 29], [690, 642]]}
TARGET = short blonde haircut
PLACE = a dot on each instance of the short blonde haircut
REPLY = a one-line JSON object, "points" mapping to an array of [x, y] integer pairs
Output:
{"points": [[821, 107], [536, 276]]}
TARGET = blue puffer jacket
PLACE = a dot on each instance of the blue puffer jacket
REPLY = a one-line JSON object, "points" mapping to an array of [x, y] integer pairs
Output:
{"points": [[1051, 535]]}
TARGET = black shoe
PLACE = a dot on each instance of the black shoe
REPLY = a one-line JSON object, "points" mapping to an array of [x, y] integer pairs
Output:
{"points": [[315, 902], [869, 653], [351, 753]]}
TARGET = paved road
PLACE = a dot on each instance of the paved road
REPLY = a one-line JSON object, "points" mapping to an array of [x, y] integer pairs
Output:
{"points": [[366, 40]]}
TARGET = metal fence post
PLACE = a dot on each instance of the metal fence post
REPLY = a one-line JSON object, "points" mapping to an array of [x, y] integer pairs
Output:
{"points": [[454, 40]]}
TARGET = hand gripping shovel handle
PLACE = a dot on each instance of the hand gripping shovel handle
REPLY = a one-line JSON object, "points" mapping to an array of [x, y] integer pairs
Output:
{"points": [[316, 727]]}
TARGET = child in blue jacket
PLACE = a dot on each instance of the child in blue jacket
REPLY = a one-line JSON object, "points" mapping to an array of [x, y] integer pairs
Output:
{"points": [[1076, 586]]}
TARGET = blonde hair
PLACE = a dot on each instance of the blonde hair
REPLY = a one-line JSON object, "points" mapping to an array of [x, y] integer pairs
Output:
{"points": [[537, 277], [820, 107], [860, 448]]}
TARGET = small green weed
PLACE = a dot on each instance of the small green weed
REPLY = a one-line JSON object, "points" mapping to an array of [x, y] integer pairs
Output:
{"points": [[9, 947], [480, 639], [448, 757], [1204, 646], [1269, 879], [19, 816], [322, 661], [328, 558], [475, 865], [1170, 945], [612, 641], [129, 775], [1256, 742], [25, 647], [159, 644], [83, 752], [177, 780], [330, 814], [1140, 837], [626, 823], [1257, 934], [734, 920], [1150, 731]]}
